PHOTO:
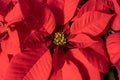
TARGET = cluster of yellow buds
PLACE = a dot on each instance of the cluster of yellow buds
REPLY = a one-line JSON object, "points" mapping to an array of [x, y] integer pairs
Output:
{"points": [[59, 39]]}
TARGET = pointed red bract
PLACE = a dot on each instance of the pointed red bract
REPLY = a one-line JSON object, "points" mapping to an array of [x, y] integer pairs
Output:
{"points": [[81, 67], [93, 49], [70, 72], [97, 55], [82, 40], [41, 70], [37, 15], [58, 59], [91, 23], [76, 67], [88, 6], [113, 47], [63, 9], [95, 5], [23, 62], [15, 15]]}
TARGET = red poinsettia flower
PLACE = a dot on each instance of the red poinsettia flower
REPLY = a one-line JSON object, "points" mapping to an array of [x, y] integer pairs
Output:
{"points": [[54, 50]]}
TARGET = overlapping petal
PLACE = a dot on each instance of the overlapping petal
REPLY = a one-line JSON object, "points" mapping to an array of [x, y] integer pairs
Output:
{"points": [[23, 63], [94, 51], [115, 24], [97, 55], [41, 70], [96, 5], [88, 6], [82, 69], [35, 39], [15, 15], [113, 48], [91, 23], [58, 59], [76, 67], [68, 72], [37, 15], [63, 9], [82, 40]]}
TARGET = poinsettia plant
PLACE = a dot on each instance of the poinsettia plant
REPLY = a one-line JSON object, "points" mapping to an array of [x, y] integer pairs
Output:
{"points": [[59, 39]]}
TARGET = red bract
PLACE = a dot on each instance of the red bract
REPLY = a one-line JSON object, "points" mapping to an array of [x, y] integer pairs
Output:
{"points": [[90, 23], [116, 20], [96, 5], [113, 47], [63, 9]]}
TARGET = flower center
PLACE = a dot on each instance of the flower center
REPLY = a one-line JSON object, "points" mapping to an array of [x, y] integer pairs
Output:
{"points": [[59, 39]]}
